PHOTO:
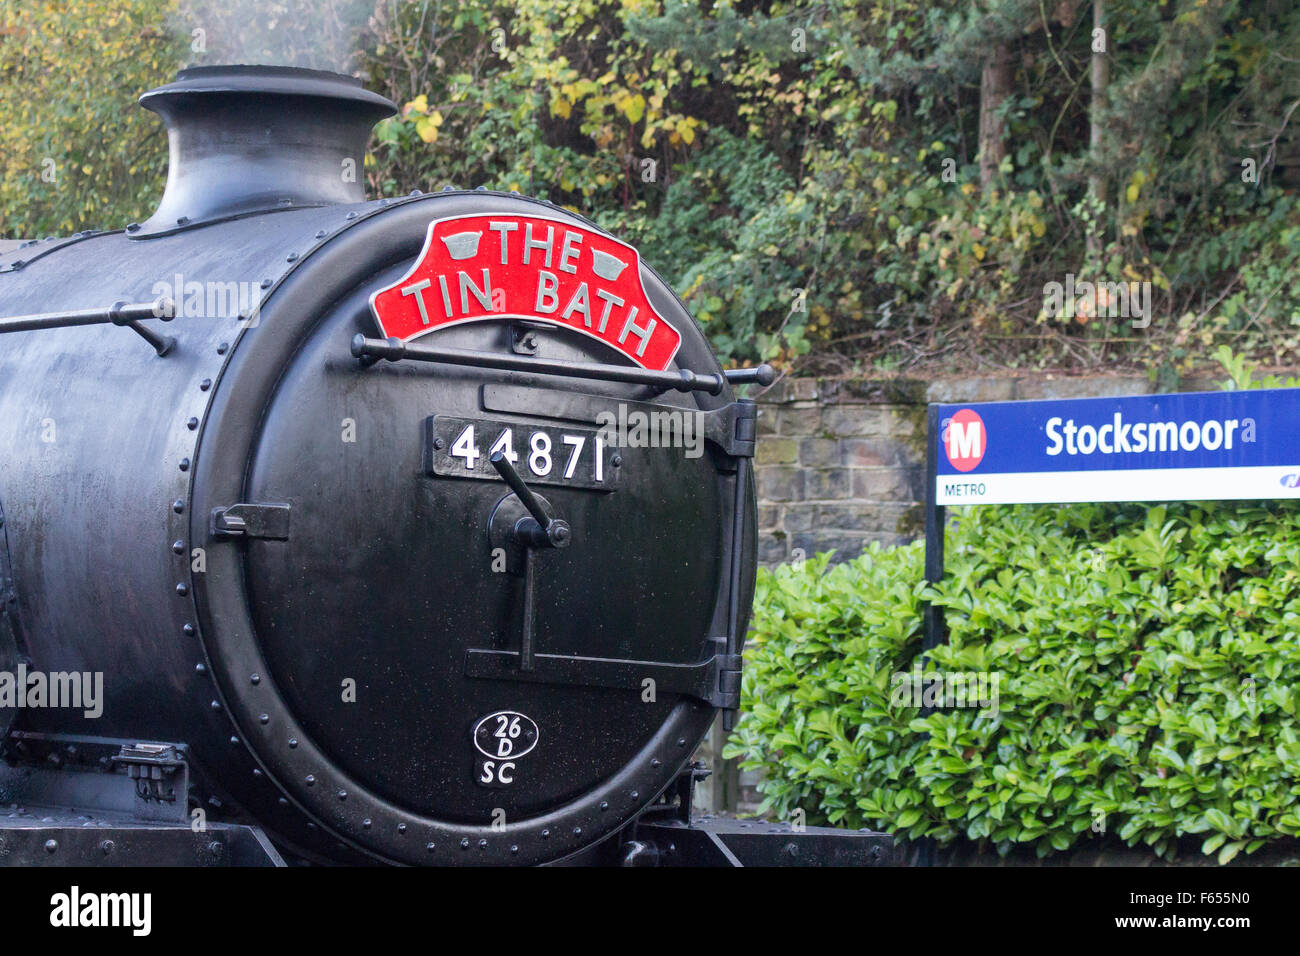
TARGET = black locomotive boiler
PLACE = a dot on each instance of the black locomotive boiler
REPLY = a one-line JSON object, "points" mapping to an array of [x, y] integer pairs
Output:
{"points": [[344, 506]]}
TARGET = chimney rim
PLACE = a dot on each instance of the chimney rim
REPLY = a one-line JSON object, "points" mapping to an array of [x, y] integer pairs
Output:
{"points": [[245, 79]]}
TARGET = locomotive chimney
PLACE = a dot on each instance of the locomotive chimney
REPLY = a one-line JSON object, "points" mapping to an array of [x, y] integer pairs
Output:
{"points": [[245, 139]]}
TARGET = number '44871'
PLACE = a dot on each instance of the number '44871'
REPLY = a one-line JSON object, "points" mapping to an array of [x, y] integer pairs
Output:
{"points": [[544, 455]]}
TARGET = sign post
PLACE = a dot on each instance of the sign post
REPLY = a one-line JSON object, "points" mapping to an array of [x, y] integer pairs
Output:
{"points": [[1196, 446]]}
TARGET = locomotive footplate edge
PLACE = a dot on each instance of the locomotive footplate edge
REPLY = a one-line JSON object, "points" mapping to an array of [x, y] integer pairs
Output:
{"points": [[669, 833], [718, 841], [41, 836], [98, 801]]}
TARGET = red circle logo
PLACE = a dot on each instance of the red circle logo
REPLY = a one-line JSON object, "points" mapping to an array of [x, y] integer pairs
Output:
{"points": [[965, 439]]}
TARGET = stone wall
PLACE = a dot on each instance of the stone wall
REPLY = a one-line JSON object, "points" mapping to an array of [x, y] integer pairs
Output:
{"points": [[841, 462]]}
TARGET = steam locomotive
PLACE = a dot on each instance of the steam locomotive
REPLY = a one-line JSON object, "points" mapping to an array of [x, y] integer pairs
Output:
{"points": [[414, 531]]}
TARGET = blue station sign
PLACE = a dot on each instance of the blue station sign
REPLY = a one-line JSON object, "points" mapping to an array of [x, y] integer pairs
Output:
{"points": [[1196, 446]]}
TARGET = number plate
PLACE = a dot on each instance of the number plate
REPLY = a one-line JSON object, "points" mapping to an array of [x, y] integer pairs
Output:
{"points": [[543, 455]]}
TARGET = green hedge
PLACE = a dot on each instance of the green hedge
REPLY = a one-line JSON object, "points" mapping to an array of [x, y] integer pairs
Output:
{"points": [[1147, 662]]}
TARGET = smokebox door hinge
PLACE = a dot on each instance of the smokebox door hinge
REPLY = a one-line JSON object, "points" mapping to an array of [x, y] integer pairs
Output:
{"points": [[269, 521]]}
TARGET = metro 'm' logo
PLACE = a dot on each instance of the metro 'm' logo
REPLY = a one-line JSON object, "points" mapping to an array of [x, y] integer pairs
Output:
{"points": [[965, 439], [474, 268]]}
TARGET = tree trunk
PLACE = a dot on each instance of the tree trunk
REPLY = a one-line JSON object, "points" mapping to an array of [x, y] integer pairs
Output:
{"points": [[995, 87], [1100, 78]]}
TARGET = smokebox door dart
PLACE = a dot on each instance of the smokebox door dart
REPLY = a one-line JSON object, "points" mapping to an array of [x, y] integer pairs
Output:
{"points": [[476, 606]]}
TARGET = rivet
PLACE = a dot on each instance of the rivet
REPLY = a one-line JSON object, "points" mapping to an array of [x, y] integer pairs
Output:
{"points": [[133, 227], [255, 678], [546, 834], [188, 630], [108, 846], [635, 795], [178, 547], [577, 831], [256, 772], [401, 828], [482, 844], [264, 718], [214, 848], [343, 794], [351, 215], [200, 667], [616, 461], [464, 843], [223, 348], [440, 443], [321, 234], [293, 743], [234, 740], [416, 192], [284, 801], [185, 464], [604, 804], [681, 741], [182, 220], [216, 705], [311, 779], [182, 590], [51, 846], [205, 385], [430, 847], [178, 506], [514, 848], [366, 823], [291, 257], [192, 424], [655, 762]]}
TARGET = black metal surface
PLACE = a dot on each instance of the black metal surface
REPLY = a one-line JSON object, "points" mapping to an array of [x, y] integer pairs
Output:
{"points": [[42, 836], [717, 841], [246, 139], [732, 427], [763, 375], [268, 521], [932, 616], [669, 833], [713, 680], [314, 677], [10, 627], [119, 313], [399, 776], [395, 350]]}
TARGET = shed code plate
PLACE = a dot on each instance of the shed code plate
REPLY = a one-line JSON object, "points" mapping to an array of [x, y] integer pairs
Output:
{"points": [[543, 455]]}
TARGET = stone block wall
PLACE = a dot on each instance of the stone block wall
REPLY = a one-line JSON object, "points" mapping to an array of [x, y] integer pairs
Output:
{"points": [[841, 462]]}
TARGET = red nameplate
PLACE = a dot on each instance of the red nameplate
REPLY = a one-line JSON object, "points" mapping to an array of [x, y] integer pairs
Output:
{"points": [[528, 267]]}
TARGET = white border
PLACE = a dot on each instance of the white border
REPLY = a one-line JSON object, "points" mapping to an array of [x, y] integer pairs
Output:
{"points": [[428, 242], [1145, 484], [512, 756]]}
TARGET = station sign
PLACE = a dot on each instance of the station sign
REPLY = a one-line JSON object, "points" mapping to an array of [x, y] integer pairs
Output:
{"points": [[1196, 446]]}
